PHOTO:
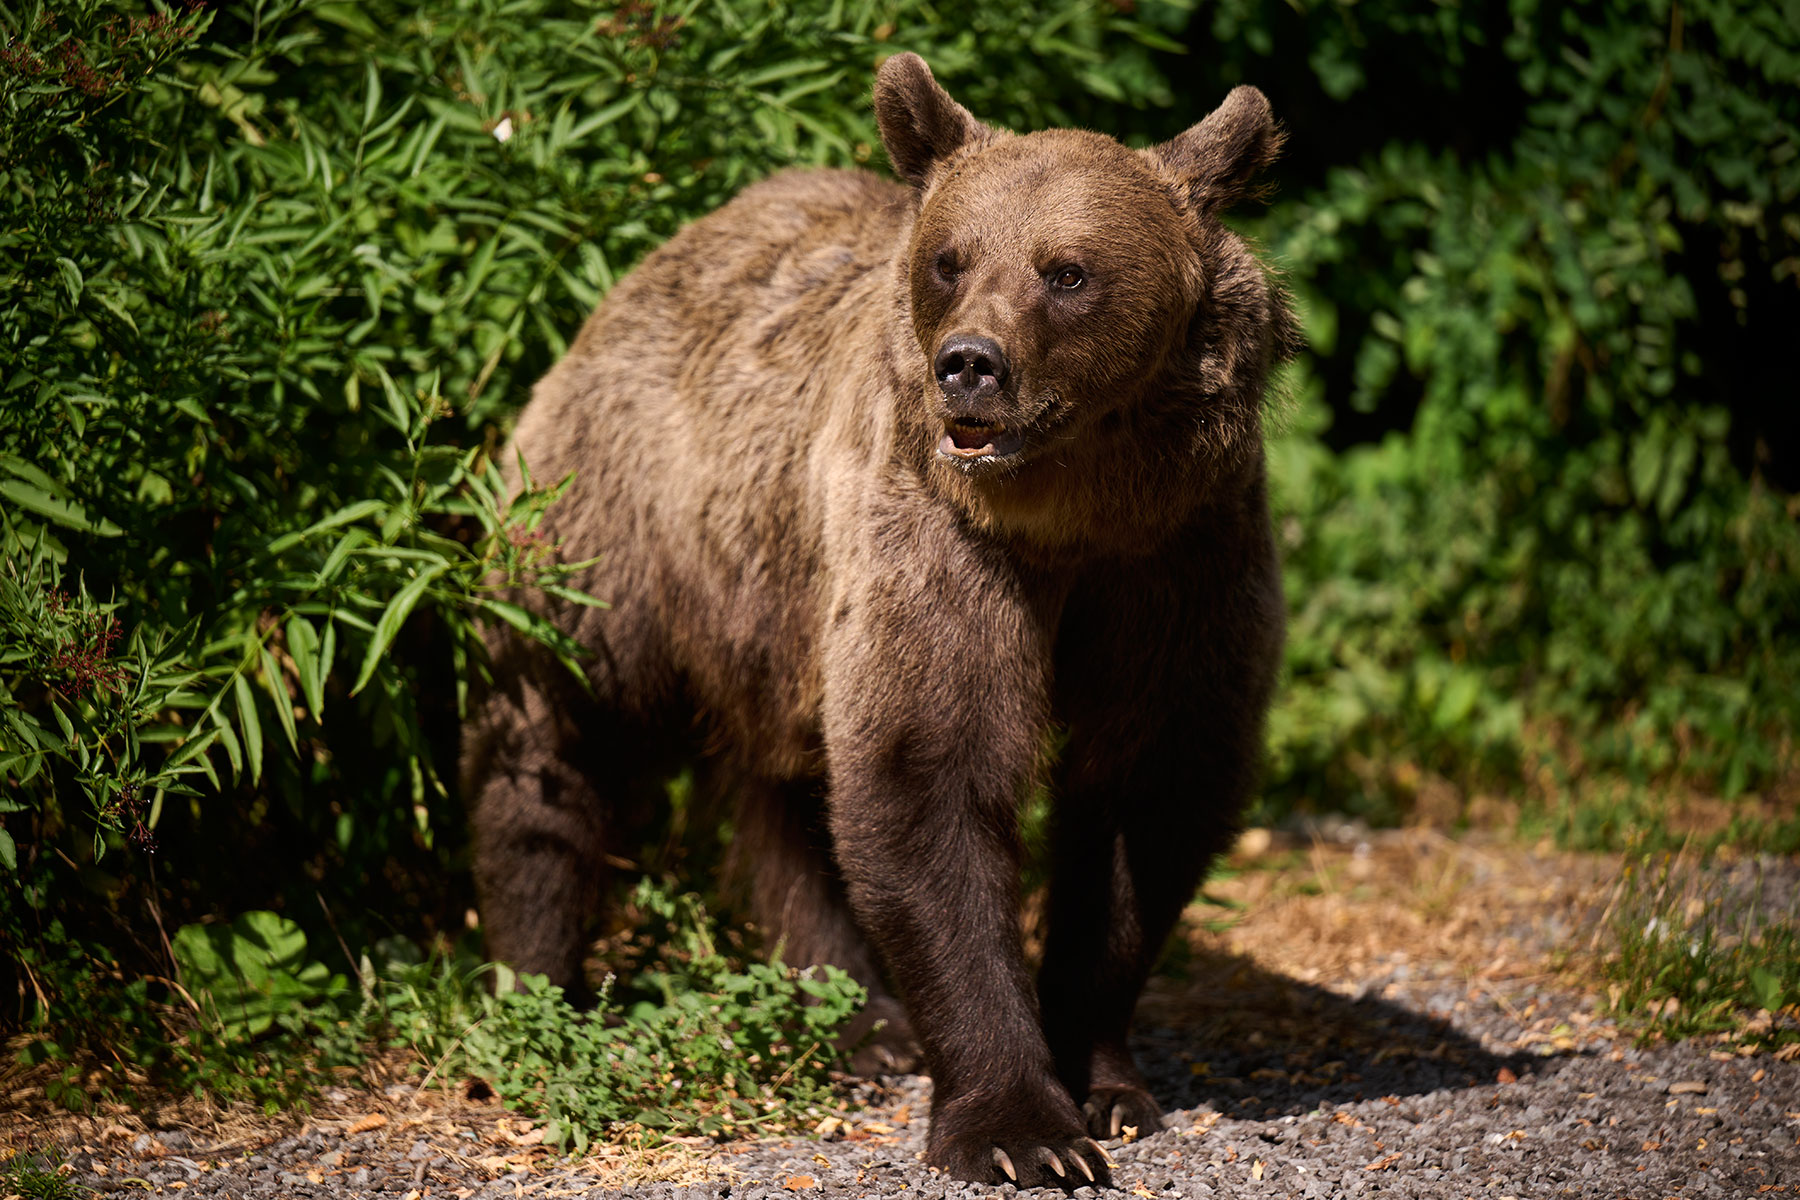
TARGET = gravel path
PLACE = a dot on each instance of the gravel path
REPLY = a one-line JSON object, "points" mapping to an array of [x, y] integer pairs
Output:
{"points": [[1379, 1020], [1417, 1091]]}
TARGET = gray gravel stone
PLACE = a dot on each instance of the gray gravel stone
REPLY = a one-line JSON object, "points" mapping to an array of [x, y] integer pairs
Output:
{"points": [[1414, 1107]]}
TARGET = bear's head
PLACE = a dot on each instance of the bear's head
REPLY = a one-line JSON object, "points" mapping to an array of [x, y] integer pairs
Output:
{"points": [[1078, 305]]}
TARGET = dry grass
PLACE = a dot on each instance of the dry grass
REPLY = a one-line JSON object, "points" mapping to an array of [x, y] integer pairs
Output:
{"points": [[1477, 915], [1336, 914], [377, 1101]]}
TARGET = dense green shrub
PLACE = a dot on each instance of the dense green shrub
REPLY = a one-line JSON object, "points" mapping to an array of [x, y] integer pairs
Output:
{"points": [[697, 1041], [1534, 517]]}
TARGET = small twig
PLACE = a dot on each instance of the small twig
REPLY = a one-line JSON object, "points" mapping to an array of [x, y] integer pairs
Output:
{"points": [[156, 915], [1606, 913], [174, 985], [43, 1000], [354, 968], [794, 1066], [436, 1066]]}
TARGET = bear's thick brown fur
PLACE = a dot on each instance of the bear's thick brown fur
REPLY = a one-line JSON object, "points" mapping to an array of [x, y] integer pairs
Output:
{"points": [[888, 482]]}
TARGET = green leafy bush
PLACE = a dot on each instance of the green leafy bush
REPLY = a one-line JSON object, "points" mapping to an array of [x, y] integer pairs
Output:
{"points": [[1532, 493], [697, 1040], [712, 1046], [244, 1015]]}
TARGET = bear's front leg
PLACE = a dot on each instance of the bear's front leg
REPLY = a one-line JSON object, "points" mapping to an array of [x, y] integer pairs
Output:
{"points": [[934, 720]]}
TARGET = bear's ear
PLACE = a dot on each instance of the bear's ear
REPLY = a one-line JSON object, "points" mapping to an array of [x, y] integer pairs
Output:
{"points": [[1218, 160], [920, 123]]}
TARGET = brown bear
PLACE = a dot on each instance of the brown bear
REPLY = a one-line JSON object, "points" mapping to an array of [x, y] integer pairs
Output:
{"points": [[893, 488]]}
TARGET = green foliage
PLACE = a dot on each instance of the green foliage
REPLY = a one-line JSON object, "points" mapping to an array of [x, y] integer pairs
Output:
{"points": [[274, 273], [1701, 949], [1529, 538], [246, 974], [698, 1041], [31, 1177], [701, 1043], [247, 1018]]}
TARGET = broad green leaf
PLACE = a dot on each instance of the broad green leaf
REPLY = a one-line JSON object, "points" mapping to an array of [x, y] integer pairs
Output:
{"points": [[250, 972]]}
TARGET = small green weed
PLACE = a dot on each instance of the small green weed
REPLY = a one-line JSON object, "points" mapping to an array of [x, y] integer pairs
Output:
{"points": [[699, 1041], [246, 1018], [30, 1177], [1702, 949]]}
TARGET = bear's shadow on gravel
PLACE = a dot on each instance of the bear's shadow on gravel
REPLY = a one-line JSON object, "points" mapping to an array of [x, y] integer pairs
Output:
{"points": [[1253, 1044]]}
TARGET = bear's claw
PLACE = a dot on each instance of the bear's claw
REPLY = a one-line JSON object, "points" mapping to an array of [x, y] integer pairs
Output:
{"points": [[1061, 1164], [1112, 1110]]}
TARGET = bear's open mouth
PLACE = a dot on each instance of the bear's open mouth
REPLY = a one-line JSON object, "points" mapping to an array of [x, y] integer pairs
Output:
{"points": [[967, 439]]}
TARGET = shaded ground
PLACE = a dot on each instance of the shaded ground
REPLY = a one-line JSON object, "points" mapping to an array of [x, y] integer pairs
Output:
{"points": [[1398, 1014]]}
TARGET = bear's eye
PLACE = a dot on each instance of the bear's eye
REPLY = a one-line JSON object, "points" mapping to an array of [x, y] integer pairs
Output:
{"points": [[1067, 279], [947, 266]]}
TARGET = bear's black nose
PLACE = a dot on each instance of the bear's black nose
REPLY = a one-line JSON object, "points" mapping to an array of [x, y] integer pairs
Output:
{"points": [[970, 367]]}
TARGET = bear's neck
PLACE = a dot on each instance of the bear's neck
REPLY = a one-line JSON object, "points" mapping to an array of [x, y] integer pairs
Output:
{"points": [[1110, 499], [1119, 488]]}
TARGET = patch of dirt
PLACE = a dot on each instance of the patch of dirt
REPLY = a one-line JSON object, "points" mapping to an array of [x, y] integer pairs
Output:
{"points": [[1354, 1014]]}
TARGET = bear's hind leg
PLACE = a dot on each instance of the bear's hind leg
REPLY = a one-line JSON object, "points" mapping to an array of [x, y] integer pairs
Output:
{"points": [[538, 827], [781, 859], [1118, 888], [1164, 690]]}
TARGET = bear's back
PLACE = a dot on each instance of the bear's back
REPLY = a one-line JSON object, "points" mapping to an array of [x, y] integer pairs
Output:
{"points": [[690, 409]]}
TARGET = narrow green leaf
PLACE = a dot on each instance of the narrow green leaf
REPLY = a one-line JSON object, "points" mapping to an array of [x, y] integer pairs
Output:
{"points": [[303, 644], [396, 401], [71, 277], [371, 92], [605, 115], [191, 407], [278, 695], [14, 465], [58, 510], [228, 738], [572, 595], [511, 613], [62, 721], [391, 620], [343, 516], [251, 724]]}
